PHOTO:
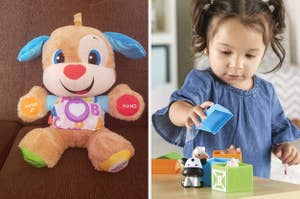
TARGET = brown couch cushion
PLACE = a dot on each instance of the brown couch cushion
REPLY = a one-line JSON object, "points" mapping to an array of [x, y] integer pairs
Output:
{"points": [[8, 132], [22, 21], [74, 176]]}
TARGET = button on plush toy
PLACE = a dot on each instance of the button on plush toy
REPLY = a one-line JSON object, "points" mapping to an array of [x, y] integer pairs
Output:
{"points": [[79, 66]]}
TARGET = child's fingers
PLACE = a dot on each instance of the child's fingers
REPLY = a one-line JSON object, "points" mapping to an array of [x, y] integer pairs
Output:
{"points": [[278, 152], [189, 124], [206, 104], [290, 157], [286, 152], [295, 160], [199, 111], [194, 118]]}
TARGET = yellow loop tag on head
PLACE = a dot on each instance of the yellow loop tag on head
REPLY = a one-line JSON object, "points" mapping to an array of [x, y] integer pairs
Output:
{"points": [[30, 106], [78, 19]]}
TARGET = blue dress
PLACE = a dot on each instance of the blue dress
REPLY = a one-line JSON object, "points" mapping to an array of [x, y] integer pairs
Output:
{"points": [[258, 122]]}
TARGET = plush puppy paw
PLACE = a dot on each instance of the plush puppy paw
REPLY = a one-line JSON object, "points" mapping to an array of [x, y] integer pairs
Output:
{"points": [[109, 151], [117, 161], [32, 106], [32, 158], [125, 103]]}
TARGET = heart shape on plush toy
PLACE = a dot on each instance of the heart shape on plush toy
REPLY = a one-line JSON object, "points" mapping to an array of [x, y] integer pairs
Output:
{"points": [[77, 110]]}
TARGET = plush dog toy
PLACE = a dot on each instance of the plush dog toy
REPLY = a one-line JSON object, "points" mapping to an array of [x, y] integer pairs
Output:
{"points": [[79, 66]]}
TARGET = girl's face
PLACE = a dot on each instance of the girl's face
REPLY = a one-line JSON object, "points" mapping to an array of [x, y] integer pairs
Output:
{"points": [[235, 52]]}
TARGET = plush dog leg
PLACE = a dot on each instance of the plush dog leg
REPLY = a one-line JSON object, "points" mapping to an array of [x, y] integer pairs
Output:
{"points": [[42, 147], [109, 151]]}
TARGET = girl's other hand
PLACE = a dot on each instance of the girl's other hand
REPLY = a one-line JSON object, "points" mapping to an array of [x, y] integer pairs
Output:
{"points": [[287, 153], [195, 112], [232, 150]]}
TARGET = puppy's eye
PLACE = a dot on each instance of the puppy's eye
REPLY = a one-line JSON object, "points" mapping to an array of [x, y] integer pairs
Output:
{"points": [[94, 57], [58, 57]]}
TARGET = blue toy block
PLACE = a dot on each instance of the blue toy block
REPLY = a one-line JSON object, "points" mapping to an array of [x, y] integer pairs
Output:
{"points": [[217, 117], [207, 169]]}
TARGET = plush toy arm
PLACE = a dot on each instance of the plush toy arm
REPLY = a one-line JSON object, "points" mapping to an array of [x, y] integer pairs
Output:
{"points": [[124, 103], [32, 106]]}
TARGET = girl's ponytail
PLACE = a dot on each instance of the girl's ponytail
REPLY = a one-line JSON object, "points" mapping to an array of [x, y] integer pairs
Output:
{"points": [[200, 23], [278, 26]]}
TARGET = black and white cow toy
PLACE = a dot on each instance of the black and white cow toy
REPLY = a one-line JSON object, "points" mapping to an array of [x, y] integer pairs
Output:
{"points": [[193, 172]]}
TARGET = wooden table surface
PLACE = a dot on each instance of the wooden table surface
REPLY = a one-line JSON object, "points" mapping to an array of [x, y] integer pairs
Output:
{"points": [[169, 186]]}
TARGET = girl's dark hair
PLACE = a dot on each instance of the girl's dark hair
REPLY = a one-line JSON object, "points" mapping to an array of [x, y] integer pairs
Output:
{"points": [[267, 17]]}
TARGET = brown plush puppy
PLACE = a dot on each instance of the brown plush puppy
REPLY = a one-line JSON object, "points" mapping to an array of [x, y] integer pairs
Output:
{"points": [[79, 66]]}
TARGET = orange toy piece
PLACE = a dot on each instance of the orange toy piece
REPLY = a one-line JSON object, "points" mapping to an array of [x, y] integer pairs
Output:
{"points": [[221, 154], [231, 152], [165, 166]]}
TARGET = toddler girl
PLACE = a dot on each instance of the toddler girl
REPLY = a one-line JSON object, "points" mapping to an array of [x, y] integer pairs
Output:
{"points": [[234, 34]]}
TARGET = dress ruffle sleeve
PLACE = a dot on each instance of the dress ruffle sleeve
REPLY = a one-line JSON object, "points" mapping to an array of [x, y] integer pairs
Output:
{"points": [[193, 91], [283, 130]]}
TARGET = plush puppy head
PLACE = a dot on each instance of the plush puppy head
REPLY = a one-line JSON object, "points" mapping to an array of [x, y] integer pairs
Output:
{"points": [[79, 60]]}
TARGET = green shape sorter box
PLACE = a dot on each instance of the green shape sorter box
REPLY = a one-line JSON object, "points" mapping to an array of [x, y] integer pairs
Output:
{"points": [[234, 179]]}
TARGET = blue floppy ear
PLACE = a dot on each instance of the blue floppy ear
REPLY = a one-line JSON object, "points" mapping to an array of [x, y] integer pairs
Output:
{"points": [[32, 49], [125, 45]]}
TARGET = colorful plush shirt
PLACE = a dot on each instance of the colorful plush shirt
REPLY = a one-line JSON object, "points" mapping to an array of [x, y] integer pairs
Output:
{"points": [[76, 113]]}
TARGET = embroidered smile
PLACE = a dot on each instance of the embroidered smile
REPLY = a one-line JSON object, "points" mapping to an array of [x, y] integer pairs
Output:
{"points": [[81, 92]]}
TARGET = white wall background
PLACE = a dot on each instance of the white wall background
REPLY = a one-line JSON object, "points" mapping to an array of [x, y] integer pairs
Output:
{"points": [[292, 9]]}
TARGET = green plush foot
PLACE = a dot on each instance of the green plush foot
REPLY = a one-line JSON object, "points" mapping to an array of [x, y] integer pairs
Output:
{"points": [[32, 158]]}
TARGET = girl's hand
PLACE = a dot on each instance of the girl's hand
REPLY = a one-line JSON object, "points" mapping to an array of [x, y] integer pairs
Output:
{"points": [[231, 150], [287, 153], [195, 112]]}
